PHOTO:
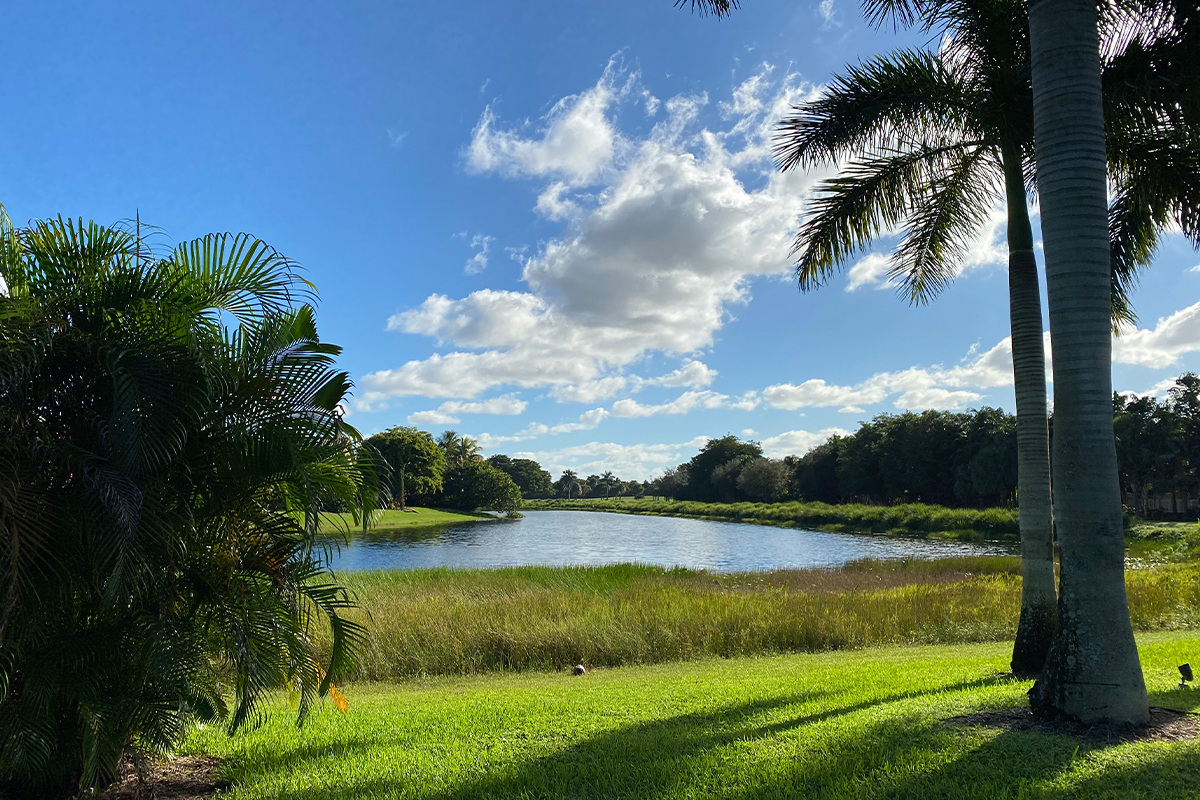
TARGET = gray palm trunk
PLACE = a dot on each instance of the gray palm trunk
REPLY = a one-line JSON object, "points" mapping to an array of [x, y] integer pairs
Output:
{"points": [[1035, 632], [1093, 672]]}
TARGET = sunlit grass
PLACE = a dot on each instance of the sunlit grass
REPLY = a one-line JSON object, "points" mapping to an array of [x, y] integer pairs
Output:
{"points": [[455, 621], [393, 519], [862, 724]]}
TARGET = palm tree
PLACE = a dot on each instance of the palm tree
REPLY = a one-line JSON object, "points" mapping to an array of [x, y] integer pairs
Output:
{"points": [[459, 450], [169, 433], [607, 479], [1156, 174], [934, 140], [447, 440], [1093, 671], [570, 481], [466, 451]]}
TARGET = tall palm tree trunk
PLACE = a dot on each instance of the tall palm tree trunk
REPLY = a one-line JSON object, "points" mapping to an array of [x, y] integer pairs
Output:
{"points": [[1035, 632], [1093, 672]]}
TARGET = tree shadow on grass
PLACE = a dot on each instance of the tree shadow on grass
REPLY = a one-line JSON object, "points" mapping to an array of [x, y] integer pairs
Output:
{"points": [[705, 754], [684, 755]]}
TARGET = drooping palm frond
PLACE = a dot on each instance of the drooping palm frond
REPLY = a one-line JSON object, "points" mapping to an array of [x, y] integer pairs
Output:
{"points": [[944, 221], [1157, 184], [867, 199], [890, 103], [718, 8]]}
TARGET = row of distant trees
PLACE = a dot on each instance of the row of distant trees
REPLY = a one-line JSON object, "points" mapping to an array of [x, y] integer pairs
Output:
{"points": [[1158, 447], [448, 472], [955, 459], [941, 457]]}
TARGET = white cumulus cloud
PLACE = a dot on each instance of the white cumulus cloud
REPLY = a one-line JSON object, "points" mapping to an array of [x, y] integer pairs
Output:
{"points": [[1164, 344], [797, 443], [447, 413], [665, 233]]}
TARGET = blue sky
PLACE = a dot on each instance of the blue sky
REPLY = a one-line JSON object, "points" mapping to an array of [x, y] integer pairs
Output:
{"points": [[552, 225]]}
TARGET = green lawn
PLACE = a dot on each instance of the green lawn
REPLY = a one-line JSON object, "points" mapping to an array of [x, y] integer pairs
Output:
{"points": [[392, 520], [861, 724]]}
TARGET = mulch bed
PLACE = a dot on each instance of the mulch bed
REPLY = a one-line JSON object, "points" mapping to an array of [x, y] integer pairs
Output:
{"points": [[179, 778], [1166, 725]]}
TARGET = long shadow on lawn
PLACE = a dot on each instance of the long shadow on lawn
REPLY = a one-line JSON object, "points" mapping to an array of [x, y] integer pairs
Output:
{"points": [[686, 754], [703, 755]]}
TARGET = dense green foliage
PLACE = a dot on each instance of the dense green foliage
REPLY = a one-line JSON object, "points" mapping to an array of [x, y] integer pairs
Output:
{"points": [[911, 519], [531, 479], [476, 484], [938, 457], [553, 617], [711, 475], [1158, 444], [414, 463], [859, 725], [161, 474]]}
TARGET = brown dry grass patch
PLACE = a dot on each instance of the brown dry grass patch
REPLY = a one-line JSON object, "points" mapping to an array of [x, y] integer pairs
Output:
{"points": [[178, 778]]}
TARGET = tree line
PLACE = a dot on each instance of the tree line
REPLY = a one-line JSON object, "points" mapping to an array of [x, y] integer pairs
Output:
{"points": [[953, 459], [1158, 448], [450, 472]]}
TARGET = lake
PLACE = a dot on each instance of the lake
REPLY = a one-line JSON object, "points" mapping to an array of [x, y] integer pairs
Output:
{"points": [[561, 538]]}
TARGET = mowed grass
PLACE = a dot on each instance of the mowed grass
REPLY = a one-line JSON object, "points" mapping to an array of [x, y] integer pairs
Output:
{"points": [[863, 724], [392, 519], [910, 519], [451, 621]]}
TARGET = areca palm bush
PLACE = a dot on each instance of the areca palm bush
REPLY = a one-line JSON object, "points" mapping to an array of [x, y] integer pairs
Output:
{"points": [[170, 429]]}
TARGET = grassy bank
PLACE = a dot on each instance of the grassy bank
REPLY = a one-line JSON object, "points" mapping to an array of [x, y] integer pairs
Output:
{"points": [[1164, 541], [913, 519], [867, 724], [444, 621], [391, 519]]}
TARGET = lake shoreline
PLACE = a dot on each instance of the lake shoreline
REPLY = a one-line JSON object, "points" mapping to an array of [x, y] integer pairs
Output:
{"points": [[575, 538], [911, 521]]}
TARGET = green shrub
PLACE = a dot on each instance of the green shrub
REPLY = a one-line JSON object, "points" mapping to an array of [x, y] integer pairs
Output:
{"points": [[161, 478]]}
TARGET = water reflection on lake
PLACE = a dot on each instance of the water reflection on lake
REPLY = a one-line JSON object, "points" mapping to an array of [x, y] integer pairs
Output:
{"points": [[559, 538]]}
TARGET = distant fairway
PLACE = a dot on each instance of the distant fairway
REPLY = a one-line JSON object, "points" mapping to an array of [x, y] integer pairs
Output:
{"points": [[395, 520]]}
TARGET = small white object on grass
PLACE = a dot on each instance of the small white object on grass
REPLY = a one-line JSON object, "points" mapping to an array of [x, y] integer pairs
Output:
{"points": [[579, 669]]}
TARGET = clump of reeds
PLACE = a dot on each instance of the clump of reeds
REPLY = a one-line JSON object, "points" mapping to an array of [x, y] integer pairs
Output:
{"points": [[448, 621]]}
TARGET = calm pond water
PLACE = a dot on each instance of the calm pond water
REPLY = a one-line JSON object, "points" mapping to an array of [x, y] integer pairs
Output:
{"points": [[560, 538]]}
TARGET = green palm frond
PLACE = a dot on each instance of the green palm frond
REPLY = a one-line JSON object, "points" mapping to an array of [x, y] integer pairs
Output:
{"points": [[1157, 180], [718, 8], [865, 200], [943, 221], [890, 103], [170, 431], [239, 275]]}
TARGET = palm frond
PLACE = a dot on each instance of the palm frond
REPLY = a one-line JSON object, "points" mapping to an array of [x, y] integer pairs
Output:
{"points": [[867, 199], [889, 103], [944, 220], [718, 8]]}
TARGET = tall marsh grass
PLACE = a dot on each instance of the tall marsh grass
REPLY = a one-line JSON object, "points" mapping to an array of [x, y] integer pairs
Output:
{"points": [[444, 621], [913, 519]]}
